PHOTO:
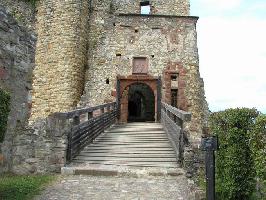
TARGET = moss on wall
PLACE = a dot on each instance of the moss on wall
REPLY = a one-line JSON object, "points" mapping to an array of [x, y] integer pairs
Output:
{"points": [[4, 111]]}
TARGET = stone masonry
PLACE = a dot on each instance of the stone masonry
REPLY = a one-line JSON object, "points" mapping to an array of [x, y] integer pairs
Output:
{"points": [[17, 49], [23, 11], [82, 47], [60, 56], [167, 38]]}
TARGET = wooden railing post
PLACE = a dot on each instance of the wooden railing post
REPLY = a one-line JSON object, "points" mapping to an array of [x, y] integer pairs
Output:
{"points": [[102, 110], [69, 148], [90, 115], [76, 120]]}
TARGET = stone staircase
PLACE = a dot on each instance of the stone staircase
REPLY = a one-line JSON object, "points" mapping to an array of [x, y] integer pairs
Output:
{"points": [[127, 146]]}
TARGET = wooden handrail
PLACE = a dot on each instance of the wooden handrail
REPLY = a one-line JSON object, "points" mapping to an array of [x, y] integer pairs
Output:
{"points": [[183, 115], [78, 112], [84, 132], [173, 121]]}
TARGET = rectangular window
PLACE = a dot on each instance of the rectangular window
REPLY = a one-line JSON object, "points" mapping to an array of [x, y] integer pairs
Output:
{"points": [[145, 8], [140, 65], [174, 81], [174, 96]]}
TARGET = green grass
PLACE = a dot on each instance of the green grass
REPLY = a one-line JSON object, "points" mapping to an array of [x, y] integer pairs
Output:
{"points": [[201, 182], [22, 187]]}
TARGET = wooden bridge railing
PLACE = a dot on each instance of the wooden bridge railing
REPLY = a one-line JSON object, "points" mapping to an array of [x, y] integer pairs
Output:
{"points": [[87, 124], [173, 121]]}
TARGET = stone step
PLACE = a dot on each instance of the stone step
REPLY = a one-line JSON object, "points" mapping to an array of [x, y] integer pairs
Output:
{"points": [[114, 170]]}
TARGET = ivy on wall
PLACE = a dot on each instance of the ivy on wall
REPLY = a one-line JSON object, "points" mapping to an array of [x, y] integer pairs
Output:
{"points": [[235, 168], [33, 2], [4, 111]]}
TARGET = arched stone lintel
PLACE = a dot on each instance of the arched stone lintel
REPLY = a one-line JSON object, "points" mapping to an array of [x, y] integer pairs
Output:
{"points": [[126, 81]]}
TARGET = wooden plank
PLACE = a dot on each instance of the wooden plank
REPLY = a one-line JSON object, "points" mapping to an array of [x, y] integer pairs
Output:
{"points": [[170, 152], [160, 165], [129, 155], [125, 160]]}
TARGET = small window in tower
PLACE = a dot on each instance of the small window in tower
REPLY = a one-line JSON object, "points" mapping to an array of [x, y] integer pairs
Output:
{"points": [[174, 77], [145, 8]]}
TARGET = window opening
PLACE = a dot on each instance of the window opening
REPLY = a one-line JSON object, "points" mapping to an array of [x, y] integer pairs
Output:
{"points": [[174, 95], [174, 77], [107, 81], [145, 8]]}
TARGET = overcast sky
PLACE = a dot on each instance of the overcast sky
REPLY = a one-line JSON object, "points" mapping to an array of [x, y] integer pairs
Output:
{"points": [[232, 49]]}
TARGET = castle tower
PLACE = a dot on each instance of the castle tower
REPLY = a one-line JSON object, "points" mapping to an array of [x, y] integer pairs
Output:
{"points": [[61, 55], [159, 37], [85, 48]]}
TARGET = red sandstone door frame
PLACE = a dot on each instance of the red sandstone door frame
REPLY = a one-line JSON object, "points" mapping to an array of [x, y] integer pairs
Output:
{"points": [[122, 87]]}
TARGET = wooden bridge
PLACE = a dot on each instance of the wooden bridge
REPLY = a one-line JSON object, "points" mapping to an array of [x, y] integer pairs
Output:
{"points": [[97, 139]]}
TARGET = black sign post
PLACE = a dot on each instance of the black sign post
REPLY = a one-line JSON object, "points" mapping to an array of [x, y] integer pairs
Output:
{"points": [[210, 144]]}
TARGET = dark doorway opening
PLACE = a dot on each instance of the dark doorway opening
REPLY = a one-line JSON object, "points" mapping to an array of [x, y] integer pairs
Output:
{"points": [[141, 103]]}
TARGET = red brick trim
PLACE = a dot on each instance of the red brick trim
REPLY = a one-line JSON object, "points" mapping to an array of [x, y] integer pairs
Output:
{"points": [[175, 68]]}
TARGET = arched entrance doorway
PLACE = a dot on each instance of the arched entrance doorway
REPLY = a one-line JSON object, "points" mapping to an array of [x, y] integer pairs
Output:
{"points": [[141, 103], [143, 93]]}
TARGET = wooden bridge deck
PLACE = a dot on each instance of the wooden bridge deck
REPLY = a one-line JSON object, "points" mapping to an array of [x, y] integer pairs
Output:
{"points": [[132, 144]]}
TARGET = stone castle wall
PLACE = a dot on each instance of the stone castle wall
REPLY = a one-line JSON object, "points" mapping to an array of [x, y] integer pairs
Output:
{"points": [[61, 56], [23, 11], [169, 44], [82, 44], [17, 49], [126, 37], [158, 7]]}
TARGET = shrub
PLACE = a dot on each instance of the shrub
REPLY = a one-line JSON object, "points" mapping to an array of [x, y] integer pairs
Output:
{"points": [[258, 147], [4, 111], [234, 161]]}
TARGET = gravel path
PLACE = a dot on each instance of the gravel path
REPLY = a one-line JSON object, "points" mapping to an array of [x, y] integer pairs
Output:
{"points": [[112, 188]]}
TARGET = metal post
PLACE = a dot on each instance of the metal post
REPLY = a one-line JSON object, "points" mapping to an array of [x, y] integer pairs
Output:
{"points": [[210, 144]]}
